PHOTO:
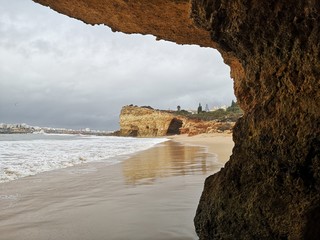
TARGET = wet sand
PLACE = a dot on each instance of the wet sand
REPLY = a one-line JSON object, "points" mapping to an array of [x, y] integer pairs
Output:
{"points": [[151, 195], [220, 144]]}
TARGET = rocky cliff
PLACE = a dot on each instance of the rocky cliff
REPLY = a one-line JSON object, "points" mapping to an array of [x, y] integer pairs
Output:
{"points": [[148, 122], [270, 188]]}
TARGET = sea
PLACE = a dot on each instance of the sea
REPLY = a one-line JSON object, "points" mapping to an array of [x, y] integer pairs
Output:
{"points": [[24, 155]]}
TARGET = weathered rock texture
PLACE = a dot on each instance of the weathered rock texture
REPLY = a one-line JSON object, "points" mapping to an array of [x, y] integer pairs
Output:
{"points": [[270, 187], [147, 122], [165, 19]]}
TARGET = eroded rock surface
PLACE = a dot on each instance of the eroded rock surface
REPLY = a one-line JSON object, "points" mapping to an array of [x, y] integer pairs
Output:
{"points": [[165, 19], [144, 122], [148, 122], [270, 187]]}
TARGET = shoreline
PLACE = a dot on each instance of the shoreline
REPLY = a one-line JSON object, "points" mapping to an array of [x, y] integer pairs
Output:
{"points": [[220, 144], [152, 195]]}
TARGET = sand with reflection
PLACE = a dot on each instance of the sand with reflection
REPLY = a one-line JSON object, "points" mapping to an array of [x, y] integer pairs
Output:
{"points": [[152, 195], [168, 159]]}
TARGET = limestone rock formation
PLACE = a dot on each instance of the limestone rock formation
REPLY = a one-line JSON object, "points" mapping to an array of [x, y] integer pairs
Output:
{"points": [[165, 19], [270, 188], [148, 122], [194, 127]]}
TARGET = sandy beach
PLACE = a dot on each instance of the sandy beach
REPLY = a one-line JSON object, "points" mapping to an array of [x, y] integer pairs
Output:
{"points": [[220, 144], [151, 195]]}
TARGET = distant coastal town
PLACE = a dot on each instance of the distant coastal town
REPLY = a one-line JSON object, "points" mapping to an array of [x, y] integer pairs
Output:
{"points": [[23, 128]]}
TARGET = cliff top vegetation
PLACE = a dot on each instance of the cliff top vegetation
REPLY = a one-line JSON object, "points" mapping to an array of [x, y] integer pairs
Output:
{"points": [[230, 114]]}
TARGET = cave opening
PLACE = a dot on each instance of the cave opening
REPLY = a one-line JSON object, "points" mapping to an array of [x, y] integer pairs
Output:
{"points": [[255, 90], [88, 60], [174, 127]]}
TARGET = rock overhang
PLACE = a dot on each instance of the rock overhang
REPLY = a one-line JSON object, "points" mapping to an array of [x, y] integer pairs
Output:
{"points": [[166, 19], [273, 49]]}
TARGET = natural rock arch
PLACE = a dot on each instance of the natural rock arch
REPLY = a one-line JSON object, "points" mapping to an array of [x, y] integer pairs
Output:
{"points": [[174, 126], [271, 183]]}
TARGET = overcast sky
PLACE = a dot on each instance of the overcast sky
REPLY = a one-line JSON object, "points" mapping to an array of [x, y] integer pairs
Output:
{"points": [[57, 71]]}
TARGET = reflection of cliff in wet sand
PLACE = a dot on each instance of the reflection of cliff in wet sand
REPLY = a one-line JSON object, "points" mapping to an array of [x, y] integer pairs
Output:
{"points": [[220, 144], [99, 201], [170, 159]]}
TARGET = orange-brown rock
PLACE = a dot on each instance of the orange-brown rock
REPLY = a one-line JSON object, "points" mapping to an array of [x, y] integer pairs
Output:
{"points": [[194, 127], [270, 188], [165, 19], [148, 122]]}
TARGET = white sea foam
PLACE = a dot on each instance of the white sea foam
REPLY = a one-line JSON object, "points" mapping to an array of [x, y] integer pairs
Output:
{"points": [[24, 155]]}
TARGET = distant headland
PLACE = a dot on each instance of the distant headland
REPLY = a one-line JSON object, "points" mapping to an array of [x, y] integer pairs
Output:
{"points": [[148, 122]]}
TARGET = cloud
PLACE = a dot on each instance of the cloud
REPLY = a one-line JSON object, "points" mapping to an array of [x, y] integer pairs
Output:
{"points": [[60, 72]]}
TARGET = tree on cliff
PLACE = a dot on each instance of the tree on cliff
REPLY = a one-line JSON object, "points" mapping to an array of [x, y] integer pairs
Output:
{"points": [[199, 108], [234, 107]]}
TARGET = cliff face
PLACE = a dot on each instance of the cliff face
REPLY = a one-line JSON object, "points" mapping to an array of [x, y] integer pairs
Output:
{"points": [[147, 122], [270, 187]]}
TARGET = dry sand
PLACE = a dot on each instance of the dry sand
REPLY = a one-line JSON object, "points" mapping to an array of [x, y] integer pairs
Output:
{"points": [[220, 144], [151, 195]]}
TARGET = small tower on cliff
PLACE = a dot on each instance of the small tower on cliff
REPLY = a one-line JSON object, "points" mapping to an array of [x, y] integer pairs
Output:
{"points": [[207, 108]]}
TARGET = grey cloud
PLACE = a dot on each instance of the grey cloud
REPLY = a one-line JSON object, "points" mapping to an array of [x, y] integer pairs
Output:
{"points": [[64, 73]]}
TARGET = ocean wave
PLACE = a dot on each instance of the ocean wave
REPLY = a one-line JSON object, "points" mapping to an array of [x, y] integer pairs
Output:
{"points": [[30, 155]]}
